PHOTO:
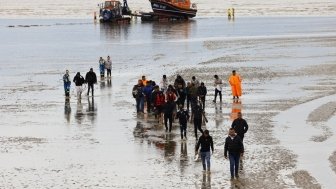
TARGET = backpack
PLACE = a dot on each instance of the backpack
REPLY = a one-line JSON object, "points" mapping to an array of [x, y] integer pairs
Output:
{"points": [[160, 99], [171, 96]]}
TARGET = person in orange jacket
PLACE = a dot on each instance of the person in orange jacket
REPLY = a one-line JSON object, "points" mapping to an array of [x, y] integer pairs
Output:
{"points": [[235, 82]]}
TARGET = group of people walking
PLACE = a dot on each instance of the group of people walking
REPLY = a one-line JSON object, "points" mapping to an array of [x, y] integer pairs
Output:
{"points": [[169, 101], [90, 78]]}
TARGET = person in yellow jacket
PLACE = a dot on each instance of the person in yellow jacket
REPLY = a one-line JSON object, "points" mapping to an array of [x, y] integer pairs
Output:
{"points": [[235, 82]]}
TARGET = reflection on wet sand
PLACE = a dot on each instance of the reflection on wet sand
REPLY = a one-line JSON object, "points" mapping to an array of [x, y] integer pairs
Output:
{"points": [[206, 181], [218, 114], [175, 30], [183, 156], [111, 32], [92, 109], [67, 110], [79, 116], [236, 107], [169, 147]]}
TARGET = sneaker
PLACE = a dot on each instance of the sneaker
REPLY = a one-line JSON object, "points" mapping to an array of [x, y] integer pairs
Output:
{"points": [[214, 101], [232, 178], [237, 176]]}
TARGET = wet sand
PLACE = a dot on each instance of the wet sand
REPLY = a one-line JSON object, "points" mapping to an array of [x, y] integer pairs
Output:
{"points": [[100, 142]]}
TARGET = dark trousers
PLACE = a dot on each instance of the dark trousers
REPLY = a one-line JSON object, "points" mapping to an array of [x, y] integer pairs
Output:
{"points": [[67, 88], [234, 164], [183, 128], [198, 125], [188, 102], [148, 102], [218, 92], [168, 117], [203, 102], [90, 85], [108, 72]]}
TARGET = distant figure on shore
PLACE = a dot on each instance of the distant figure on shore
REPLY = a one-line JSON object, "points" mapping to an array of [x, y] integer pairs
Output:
{"points": [[183, 117], [240, 126], [67, 83], [102, 67], [234, 146], [138, 94], [108, 67], [206, 142], [218, 83], [235, 82], [79, 81], [91, 79]]}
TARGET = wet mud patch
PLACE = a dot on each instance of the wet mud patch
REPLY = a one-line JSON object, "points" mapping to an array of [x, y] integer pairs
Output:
{"points": [[322, 113], [332, 160], [304, 180], [259, 165], [323, 70], [255, 75], [229, 59], [9, 144]]}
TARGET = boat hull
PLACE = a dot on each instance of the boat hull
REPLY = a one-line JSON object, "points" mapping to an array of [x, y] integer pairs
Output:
{"points": [[169, 10]]}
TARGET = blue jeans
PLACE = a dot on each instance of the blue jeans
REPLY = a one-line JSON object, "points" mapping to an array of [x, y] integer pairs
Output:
{"points": [[205, 156], [67, 87], [234, 163], [140, 104]]}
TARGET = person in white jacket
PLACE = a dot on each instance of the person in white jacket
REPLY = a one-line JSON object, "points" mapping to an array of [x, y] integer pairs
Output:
{"points": [[108, 66], [218, 83]]}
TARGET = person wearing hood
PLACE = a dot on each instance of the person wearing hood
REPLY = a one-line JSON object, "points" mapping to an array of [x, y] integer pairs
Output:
{"points": [[79, 81]]}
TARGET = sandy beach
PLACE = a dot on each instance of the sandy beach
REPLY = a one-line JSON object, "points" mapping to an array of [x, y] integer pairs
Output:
{"points": [[288, 69]]}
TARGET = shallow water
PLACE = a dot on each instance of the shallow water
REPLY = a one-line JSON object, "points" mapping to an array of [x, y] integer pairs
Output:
{"points": [[85, 8], [100, 142]]}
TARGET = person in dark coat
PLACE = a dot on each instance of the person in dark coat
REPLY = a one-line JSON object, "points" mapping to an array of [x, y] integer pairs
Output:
{"points": [[202, 92], [139, 96], [198, 117], [240, 126], [235, 148], [205, 141], [183, 116], [168, 110], [181, 93], [90, 79]]}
